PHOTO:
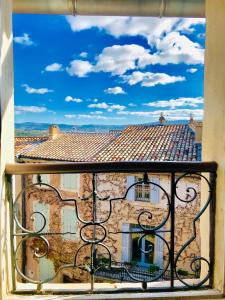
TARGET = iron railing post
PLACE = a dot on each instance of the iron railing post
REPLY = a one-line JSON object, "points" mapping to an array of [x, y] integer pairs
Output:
{"points": [[94, 218], [10, 197], [172, 227], [212, 213]]}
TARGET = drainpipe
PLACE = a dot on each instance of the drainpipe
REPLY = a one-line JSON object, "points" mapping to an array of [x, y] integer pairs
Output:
{"points": [[157, 8]]}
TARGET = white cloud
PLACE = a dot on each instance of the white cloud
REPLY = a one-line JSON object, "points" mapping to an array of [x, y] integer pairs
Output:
{"points": [[132, 104], [119, 59], [17, 112], [149, 79], [71, 99], [96, 117], [83, 54], [40, 91], [167, 44], [70, 116], [85, 116], [115, 90], [173, 103], [178, 114], [97, 112], [164, 34], [174, 48], [116, 60], [24, 40], [86, 22], [33, 109], [191, 70], [55, 67], [103, 105], [79, 68], [92, 117], [188, 24], [116, 107], [150, 28]]}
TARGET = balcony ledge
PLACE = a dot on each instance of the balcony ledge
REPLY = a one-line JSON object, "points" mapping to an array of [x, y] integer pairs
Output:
{"points": [[203, 294]]}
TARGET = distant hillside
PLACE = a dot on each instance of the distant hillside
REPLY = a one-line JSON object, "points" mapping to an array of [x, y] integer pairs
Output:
{"points": [[26, 132], [41, 129]]}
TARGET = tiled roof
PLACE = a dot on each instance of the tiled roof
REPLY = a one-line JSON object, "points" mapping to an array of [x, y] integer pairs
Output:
{"points": [[153, 143], [74, 147], [135, 143], [26, 142]]}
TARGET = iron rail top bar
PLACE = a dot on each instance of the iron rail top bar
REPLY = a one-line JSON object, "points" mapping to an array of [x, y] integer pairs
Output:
{"points": [[107, 167]]}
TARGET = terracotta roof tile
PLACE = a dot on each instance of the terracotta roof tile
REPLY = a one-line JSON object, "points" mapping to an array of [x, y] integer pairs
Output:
{"points": [[135, 143], [74, 147], [26, 142], [153, 143]]}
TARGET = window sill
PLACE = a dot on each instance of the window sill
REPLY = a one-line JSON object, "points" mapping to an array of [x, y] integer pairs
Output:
{"points": [[181, 295], [143, 200], [65, 190]]}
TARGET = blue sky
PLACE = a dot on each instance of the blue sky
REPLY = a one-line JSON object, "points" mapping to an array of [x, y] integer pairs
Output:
{"points": [[107, 70]]}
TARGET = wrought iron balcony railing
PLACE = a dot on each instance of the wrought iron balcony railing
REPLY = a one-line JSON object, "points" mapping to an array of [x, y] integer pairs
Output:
{"points": [[90, 228]]}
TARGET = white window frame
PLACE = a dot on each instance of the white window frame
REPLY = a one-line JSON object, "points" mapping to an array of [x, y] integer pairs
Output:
{"points": [[153, 190], [143, 191]]}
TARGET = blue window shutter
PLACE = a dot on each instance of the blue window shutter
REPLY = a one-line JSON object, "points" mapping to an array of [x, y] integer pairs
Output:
{"points": [[159, 245], [69, 223], [154, 190], [46, 269], [131, 193], [42, 208], [70, 182], [45, 178], [126, 244]]}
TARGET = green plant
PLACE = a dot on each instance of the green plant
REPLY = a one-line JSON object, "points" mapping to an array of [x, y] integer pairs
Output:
{"points": [[101, 260], [153, 268], [182, 272]]}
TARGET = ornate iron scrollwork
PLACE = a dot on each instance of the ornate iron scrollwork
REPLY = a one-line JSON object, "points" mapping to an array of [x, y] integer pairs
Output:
{"points": [[99, 232]]}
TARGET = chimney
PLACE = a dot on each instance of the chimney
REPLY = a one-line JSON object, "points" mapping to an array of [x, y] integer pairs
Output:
{"points": [[191, 120], [162, 119], [198, 132], [53, 131], [196, 126]]}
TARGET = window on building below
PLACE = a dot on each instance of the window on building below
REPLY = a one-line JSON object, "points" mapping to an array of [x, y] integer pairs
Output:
{"points": [[70, 182], [147, 192], [142, 191], [44, 178]]}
